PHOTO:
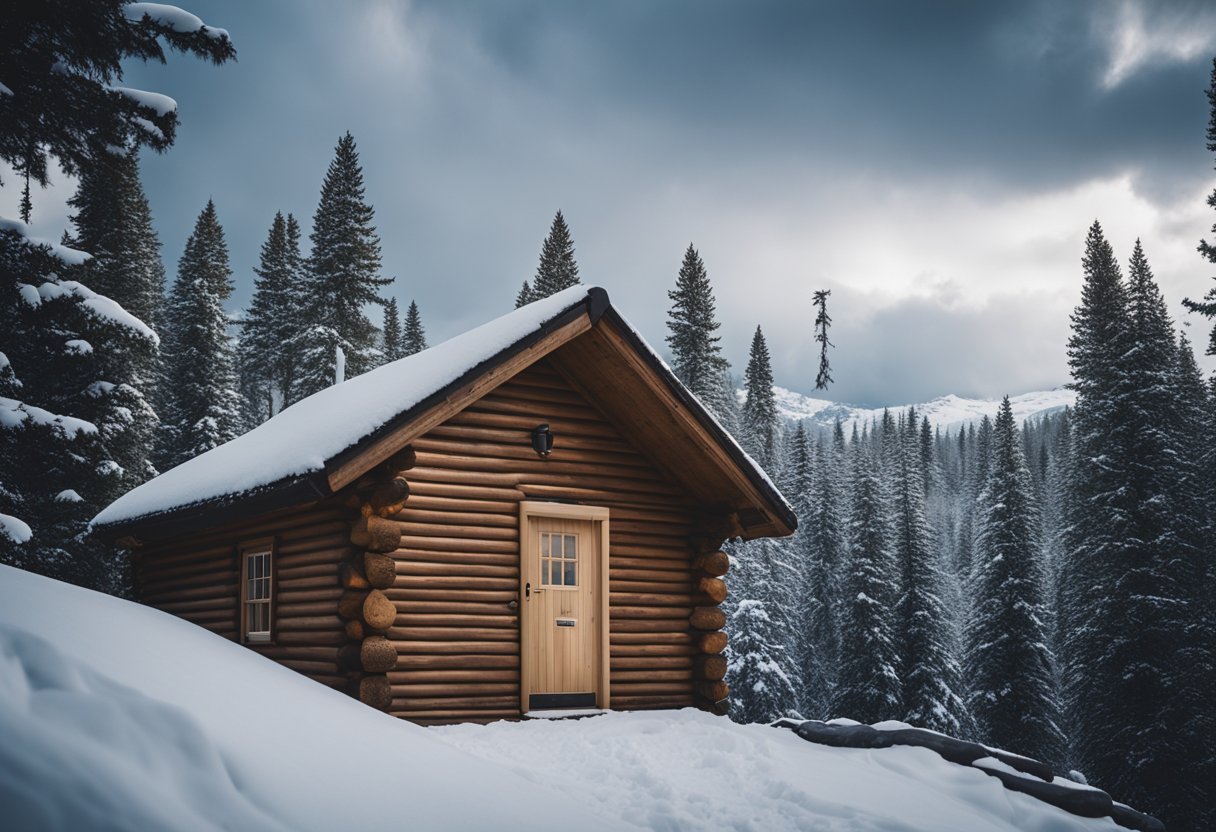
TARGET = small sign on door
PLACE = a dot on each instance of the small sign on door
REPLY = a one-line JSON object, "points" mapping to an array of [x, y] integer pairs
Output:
{"points": [[565, 622]]}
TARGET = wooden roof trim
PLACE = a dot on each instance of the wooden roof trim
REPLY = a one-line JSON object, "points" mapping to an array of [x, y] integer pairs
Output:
{"points": [[690, 414], [350, 466]]}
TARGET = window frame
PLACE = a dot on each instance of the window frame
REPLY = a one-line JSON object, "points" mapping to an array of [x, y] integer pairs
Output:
{"points": [[263, 546]]}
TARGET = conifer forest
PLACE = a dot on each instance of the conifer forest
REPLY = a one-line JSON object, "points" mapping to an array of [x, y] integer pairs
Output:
{"points": [[1045, 585]]}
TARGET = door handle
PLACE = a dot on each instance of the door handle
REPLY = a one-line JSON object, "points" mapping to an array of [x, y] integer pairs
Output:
{"points": [[528, 590]]}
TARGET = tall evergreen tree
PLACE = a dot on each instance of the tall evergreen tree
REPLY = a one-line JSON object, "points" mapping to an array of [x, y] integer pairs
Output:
{"points": [[391, 343], [868, 686], [824, 547], [201, 406], [414, 338], [761, 690], [1009, 665], [343, 277], [692, 322], [761, 422], [267, 366], [1207, 306], [557, 269], [928, 669], [525, 295]]}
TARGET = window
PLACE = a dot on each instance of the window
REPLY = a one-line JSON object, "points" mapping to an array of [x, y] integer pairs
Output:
{"points": [[256, 593], [558, 559]]}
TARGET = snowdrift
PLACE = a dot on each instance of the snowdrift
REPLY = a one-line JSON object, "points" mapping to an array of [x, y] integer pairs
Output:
{"points": [[116, 716]]}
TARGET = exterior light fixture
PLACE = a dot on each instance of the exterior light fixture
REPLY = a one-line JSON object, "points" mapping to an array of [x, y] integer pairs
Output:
{"points": [[542, 440]]}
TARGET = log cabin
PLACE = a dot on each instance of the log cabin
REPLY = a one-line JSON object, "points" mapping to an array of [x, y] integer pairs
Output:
{"points": [[527, 517]]}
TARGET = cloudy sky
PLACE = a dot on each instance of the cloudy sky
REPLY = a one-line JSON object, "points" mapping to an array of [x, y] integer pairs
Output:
{"points": [[935, 165]]}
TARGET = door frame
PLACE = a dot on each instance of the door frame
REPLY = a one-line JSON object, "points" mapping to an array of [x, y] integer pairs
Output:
{"points": [[598, 517]]}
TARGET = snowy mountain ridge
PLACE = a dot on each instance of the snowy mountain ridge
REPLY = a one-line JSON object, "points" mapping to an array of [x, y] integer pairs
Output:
{"points": [[943, 412]]}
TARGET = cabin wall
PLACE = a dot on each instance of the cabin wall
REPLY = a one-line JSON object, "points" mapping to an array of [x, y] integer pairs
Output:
{"points": [[456, 633], [197, 578]]}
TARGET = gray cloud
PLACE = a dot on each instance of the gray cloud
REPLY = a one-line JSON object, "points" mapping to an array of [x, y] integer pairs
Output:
{"points": [[799, 145]]}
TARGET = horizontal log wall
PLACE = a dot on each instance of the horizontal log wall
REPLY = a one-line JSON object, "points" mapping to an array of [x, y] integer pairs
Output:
{"points": [[198, 579], [456, 633]]}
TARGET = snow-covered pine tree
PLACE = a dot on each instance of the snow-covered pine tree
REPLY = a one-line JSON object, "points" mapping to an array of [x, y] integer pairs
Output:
{"points": [[343, 277], [868, 684], [761, 422], [557, 269], [823, 549], [525, 295], [413, 339], [1009, 665], [761, 690], [391, 334], [61, 59], [113, 222], [1095, 528], [266, 363], [201, 406], [695, 353], [1207, 306], [929, 671]]}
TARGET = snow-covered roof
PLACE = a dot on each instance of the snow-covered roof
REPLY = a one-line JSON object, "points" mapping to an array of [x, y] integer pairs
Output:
{"points": [[297, 444]]}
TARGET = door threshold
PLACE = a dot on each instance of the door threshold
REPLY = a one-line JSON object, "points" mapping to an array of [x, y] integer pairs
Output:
{"points": [[570, 713]]}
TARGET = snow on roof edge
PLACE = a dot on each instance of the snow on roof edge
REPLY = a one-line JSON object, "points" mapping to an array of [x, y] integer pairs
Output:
{"points": [[301, 439]]}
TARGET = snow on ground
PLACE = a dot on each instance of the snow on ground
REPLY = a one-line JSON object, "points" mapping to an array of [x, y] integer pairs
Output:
{"points": [[943, 412], [116, 716], [683, 770]]}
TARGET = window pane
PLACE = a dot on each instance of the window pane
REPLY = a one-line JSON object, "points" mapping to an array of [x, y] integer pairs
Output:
{"points": [[571, 566], [571, 546], [544, 545]]}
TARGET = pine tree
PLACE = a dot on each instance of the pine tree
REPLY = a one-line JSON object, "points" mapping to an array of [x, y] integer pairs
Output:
{"points": [[114, 223], [761, 691], [1207, 306], [692, 321], [343, 277], [525, 296], [391, 344], [868, 686], [821, 540], [267, 366], [928, 669], [202, 408], [414, 339], [61, 58], [557, 269], [761, 421], [1010, 667]]}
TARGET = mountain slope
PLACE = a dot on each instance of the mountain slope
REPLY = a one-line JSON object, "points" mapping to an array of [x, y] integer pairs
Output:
{"points": [[945, 411]]}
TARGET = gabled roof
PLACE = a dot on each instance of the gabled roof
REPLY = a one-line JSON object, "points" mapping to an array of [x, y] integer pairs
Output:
{"points": [[319, 445]]}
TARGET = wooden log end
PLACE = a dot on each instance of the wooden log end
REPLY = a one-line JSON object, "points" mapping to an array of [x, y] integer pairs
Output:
{"points": [[380, 569], [714, 642], [350, 605], [715, 564], [710, 668], [377, 654], [713, 691], [403, 460], [376, 691], [719, 708], [711, 588], [379, 612], [354, 630], [707, 618], [348, 657]]}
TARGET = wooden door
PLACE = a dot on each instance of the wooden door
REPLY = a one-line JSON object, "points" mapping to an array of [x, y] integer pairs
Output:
{"points": [[564, 611]]}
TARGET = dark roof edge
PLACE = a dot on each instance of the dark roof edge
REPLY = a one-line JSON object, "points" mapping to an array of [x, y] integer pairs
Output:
{"points": [[775, 498], [219, 511]]}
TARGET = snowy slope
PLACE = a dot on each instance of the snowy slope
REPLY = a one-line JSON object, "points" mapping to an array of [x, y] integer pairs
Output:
{"points": [[116, 716], [944, 412]]}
